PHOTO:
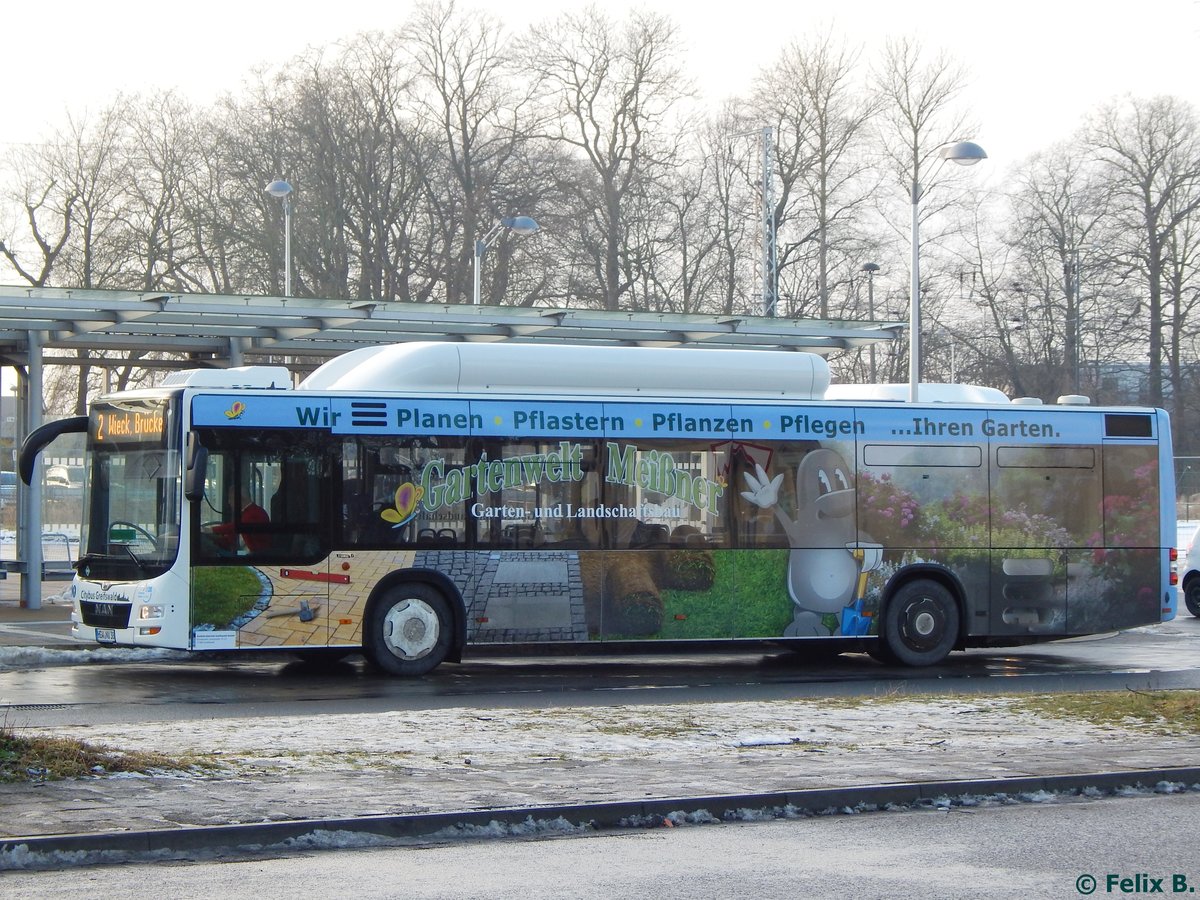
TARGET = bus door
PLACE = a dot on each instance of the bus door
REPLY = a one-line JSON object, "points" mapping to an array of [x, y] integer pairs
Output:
{"points": [[303, 577], [1044, 512], [537, 558], [261, 575], [1125, 563], [403, 504]]}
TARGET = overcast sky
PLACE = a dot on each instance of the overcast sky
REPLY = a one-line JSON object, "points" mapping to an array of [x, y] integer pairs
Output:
{"points": [[1037, 65]]}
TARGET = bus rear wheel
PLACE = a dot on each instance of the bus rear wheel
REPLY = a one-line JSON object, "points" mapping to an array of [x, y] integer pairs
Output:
{"points": [[920, 623], [411, 630]]}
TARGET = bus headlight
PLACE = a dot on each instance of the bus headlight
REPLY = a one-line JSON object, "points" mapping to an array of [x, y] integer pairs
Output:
{"points": [[150, 612]]}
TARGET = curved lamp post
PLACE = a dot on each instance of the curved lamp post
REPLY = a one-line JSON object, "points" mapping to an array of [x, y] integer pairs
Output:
{"points": [[281, 190], [515, 224], [871, 268], [965, 153]]}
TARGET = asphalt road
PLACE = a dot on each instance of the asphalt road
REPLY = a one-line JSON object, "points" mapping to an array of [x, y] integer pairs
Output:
{"points": [[177, 685]]}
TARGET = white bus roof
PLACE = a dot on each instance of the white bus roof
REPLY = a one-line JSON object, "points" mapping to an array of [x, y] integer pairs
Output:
{"points": [[929, 393], [240, 377], [548, 369]]}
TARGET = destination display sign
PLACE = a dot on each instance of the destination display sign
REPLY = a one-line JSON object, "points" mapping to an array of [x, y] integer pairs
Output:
{"points": [[136, 422]]}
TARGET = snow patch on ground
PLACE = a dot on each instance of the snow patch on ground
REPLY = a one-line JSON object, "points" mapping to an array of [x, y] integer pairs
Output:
{"points": [[432, 740], [48, 657]]}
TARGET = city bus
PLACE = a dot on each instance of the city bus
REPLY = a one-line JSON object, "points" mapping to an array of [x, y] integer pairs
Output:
{"points": [[414, 501]]}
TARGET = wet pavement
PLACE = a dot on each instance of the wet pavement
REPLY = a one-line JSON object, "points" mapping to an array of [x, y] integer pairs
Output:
{"points": [[466, 761], [48, 626]]}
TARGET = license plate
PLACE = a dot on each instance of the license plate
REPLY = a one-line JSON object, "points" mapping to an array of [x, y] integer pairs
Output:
{"points": [[106, 635]]}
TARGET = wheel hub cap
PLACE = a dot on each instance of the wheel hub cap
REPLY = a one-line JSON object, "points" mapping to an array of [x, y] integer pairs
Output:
{"points": [[923, 624], [411, 629]]}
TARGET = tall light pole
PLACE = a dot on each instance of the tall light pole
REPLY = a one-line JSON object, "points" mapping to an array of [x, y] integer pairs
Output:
{"points": [[515, 224], [965, 153], [281, 190], [1074, 318], [770, 262], [871, 268]]}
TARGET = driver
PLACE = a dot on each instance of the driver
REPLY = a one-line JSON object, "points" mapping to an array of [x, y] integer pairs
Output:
{"points": [[226, 535]]}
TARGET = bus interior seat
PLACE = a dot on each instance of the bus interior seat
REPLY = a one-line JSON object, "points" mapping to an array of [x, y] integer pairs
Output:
{"points": [[647, 536], [524, 537], [682, 533], [437, 538]]}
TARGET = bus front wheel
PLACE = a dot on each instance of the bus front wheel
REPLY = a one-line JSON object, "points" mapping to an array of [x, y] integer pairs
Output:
{"points": [[411, 630], [920, 624]]}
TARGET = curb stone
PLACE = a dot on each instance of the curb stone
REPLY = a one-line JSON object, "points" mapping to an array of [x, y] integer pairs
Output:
{"points": [[23, 852]]}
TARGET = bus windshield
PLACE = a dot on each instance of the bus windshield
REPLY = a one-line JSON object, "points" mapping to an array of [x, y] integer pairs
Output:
{"points": [[131, 505]]}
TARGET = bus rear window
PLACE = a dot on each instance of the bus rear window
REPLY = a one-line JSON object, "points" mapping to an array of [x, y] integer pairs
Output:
{"points": [[1128, 425]]}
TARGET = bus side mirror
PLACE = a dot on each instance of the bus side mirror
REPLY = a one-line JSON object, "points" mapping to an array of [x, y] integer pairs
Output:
{"points": [[197, 465]]}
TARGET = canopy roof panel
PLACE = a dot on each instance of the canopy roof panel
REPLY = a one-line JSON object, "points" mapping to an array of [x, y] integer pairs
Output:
{"points": [[112, 325]]}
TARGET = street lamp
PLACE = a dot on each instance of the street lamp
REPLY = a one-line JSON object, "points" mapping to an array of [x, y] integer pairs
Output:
{"points": [[281, 190], [1074, 315], [871, 268], [515, 224], [965, 153]]}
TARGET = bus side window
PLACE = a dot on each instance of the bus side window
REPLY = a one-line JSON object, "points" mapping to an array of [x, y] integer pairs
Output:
{"points": [[382, 494], [540, 510], [684, 499]]}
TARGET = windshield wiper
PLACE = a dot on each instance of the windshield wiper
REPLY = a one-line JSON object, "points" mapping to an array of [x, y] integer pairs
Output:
{"points": [[136, 559]]}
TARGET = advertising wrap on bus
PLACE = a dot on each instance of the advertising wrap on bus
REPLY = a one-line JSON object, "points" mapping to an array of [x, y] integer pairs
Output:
{"points": [[411, 501], [744, 520]]}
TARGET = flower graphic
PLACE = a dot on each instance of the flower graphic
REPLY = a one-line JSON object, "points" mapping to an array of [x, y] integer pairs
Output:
{"points": [[408, 500]]}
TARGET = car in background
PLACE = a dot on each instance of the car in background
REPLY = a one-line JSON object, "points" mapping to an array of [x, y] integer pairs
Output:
{"points": [[63, 482], [63, 476], [1190, 581], [8, 486]]}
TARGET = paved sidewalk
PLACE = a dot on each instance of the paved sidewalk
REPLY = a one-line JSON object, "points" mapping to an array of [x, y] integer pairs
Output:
{"points": [[49, 626]]}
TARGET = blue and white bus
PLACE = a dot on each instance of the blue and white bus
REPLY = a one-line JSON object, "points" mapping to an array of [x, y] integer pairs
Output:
{"points": [[416, 500]]}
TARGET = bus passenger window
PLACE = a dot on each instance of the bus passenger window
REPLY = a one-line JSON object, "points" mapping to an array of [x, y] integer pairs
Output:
{"points": [[669, 493], [538, 496], [383, 487]]}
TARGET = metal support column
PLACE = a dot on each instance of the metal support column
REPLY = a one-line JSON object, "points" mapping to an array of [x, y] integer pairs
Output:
{"points": [[29, 527]]}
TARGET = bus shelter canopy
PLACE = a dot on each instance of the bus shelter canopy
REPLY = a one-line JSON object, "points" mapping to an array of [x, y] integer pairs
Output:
{"points": [[118, 326]]}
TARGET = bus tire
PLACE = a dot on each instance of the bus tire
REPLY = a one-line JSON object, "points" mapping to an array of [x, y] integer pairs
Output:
{"points": [[1191, 596], [920, 623], [411, 630], [880, 653]]}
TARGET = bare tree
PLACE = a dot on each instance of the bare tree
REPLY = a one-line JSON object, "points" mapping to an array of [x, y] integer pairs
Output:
{"points": [[606, 88], [821, 114], [732, 220], [1058, 210], [465, 88], [1150, 152], [41, 187]]}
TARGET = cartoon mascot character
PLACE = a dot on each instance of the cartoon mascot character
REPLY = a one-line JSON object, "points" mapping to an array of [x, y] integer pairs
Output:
{"points": [[828, 565]]}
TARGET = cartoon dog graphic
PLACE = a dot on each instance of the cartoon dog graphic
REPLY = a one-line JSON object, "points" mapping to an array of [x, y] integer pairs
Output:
{"points": [[828, 565]]}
